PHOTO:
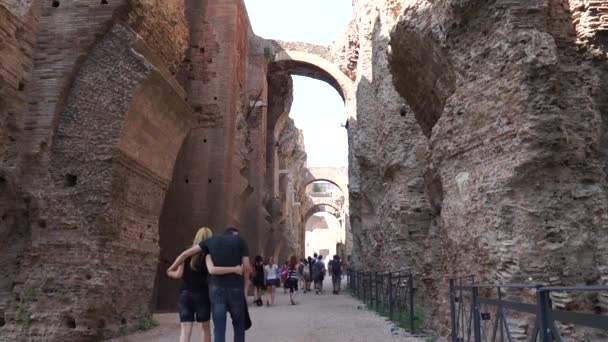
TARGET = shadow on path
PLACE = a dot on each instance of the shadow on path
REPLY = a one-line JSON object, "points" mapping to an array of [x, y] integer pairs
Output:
{"points": [[326, 317]]}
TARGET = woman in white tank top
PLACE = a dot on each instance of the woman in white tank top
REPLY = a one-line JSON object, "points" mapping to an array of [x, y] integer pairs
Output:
{"points": [[272, 280]]}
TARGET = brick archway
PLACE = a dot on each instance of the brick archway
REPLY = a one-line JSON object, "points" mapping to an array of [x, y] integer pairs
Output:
{"points": [[102, 188]]}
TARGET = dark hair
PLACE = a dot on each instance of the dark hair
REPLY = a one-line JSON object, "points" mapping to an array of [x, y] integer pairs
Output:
{"points": [[231, 230], [258, 259], [320, 256], [315, 255]]}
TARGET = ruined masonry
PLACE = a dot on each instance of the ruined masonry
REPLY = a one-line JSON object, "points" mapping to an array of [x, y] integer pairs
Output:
{"points": [[477, 135]]}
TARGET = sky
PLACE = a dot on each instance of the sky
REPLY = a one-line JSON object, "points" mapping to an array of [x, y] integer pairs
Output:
{"points": [[317, 107]]}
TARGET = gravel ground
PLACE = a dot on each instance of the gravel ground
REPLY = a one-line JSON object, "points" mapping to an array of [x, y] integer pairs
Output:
{"points": [[326, 317]]}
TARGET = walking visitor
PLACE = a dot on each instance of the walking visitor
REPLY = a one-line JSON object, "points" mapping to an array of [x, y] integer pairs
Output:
{"points": [[283, 274], [292, 278], [318, 274], [335, 269], [258, 280], [272, 280], [226, 291], [193, 302]]}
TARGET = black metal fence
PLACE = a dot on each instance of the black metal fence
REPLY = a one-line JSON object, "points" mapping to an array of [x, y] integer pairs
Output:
{"points": [[479, 312], [389, 293]]}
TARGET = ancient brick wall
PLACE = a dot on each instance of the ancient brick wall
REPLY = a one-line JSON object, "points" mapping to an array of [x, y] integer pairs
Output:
{"points": [[96, 232], [67, 31], [96, 147], [210, 186], [18, 26], [18, 22]]}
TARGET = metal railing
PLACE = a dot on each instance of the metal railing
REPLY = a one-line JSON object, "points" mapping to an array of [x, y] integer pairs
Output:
{"points": [[479, 312], [389, 293]]}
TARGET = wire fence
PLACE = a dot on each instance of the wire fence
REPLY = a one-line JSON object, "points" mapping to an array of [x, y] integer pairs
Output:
{"points": [[391, 294]]}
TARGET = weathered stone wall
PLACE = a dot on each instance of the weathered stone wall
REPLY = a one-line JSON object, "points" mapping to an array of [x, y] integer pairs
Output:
{"points": [[18, 21], [388, 207], [492, 159], [92, 155], [292, 157], [98, 207]]}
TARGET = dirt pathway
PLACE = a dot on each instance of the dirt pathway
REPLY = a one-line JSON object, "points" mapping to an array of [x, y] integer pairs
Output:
{"points": [[326, 317]]}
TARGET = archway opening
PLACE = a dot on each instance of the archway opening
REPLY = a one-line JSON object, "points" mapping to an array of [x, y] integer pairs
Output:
{"points": [[324, 232], [307, 97], [306, 134]]}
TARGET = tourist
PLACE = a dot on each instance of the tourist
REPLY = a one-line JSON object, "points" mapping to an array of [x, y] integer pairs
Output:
{"points": [[301, 267], [227, 291], [258, 280], [335, 269], [193, 303], [311, 263], [291, 282], [283, 273], [318, 274], [272, 280], [307, 275]]}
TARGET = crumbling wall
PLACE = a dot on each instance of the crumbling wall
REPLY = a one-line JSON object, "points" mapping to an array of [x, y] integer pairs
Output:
{"points": [[292, 156], [18, 23], [389, 210], [92, 155], [492, 159]]}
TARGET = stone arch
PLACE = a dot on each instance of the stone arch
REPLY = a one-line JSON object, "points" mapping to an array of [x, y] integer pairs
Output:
{"points": [[335, 175], [105, 187], [323, 207], [307, 64], [303, 60], [305, 185]]}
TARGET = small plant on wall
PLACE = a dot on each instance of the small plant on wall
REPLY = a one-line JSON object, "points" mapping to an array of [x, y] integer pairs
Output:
{"points": [[268, 55]]}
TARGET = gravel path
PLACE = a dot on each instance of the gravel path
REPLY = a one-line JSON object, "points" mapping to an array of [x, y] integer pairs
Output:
{"points": [[326, 317]]}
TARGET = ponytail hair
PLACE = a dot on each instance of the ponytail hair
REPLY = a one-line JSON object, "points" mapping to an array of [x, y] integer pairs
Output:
{"points": [[202, 234]]}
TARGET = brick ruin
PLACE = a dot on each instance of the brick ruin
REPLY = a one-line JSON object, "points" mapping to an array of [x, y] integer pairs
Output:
{"points": [[476, 130]]}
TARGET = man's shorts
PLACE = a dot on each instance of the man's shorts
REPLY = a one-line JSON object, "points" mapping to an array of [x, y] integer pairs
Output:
{"points": [[194, 306]]}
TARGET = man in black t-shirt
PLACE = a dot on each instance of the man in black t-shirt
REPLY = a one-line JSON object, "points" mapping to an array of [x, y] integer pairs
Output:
{"points": [[227, 292]]}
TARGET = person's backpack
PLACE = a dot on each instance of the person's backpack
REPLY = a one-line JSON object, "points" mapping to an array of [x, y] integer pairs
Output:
{"points": [[317, 270], [336, 268], [306, 271]]}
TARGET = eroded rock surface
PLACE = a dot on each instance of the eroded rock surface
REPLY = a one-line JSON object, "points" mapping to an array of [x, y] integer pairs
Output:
{"points": [[492, 127]]}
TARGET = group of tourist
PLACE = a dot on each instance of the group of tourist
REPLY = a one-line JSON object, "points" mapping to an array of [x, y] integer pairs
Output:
{"points": [[216, 274], [292, 275]]}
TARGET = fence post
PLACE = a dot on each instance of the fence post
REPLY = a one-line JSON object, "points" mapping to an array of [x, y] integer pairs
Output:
{"points": [[357, 284], [390, 296], [411, 289], [348, 279], [377, 289], [476, 314], [364, 288], [453, 311], [542, 298]]}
